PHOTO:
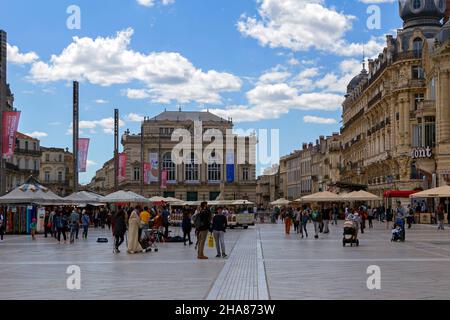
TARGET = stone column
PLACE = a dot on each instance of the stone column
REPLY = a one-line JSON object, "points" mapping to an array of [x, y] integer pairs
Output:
{"points": [[444, 106]]}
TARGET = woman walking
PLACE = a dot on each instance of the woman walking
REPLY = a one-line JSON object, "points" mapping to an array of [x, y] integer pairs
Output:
{"points": [[186, 226], [305, 219], [119, 229], [61, 225], [297, 220]]}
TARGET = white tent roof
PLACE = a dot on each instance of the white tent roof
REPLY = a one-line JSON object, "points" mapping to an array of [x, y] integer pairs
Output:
{"points": [[280, 202], [242, 202], [324, 196], [124, 196], [31, 192], [84, 197], [360, 196], [158, 199]]}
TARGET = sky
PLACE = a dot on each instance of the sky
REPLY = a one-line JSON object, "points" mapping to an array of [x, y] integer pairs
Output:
{"points": [[268, 64]]}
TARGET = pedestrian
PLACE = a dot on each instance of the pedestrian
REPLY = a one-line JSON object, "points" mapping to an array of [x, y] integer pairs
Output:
{"points": [[288, 214], [218, 229], [109, 219], [326, 219], [51, 220], [297, 220], [440, 216], [74, 224], [305, 219], [335, 214], [2, 226], [85, 221], [410, 216], [203, 227], [47, 225], [33, 226], [317, 220], [186, 226], [144, 216], [195, 219], [61, 224], [363, 215], [370, 216], [389, 216], [119, 229], [165, 219], [134, 224]]}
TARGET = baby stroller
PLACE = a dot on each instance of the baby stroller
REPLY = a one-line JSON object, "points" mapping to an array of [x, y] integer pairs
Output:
{"points": [[149, 240], [350, 233], [398, 232]]}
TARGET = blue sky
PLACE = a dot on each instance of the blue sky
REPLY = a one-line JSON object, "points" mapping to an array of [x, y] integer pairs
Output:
{"points": [[280, 64]]}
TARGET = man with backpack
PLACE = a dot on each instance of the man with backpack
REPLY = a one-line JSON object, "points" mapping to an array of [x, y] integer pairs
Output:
{"points": [[316, 218], [202, 228]]}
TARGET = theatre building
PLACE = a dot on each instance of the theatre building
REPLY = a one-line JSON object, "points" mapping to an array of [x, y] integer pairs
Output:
{"points": [[396, 114], [228, 172]]}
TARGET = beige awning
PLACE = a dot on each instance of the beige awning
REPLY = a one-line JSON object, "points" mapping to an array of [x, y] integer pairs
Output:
{"points": [[323, 196], [360, 196], [441, 192]]}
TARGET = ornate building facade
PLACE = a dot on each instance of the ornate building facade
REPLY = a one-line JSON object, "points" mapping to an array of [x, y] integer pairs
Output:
{"points": [[393, 129], [56, 171], [228, 171]]}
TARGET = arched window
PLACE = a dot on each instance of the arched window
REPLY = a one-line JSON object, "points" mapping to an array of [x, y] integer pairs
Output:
{"points": [[417, 47], [214, 172], [169, 166], [191, 168]]}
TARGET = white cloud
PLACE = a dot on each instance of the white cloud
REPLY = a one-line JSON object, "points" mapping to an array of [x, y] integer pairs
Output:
{"points": [[151, 3], [91, 163], [137, 94], [134, 117], [165, 76], [274, 76], [106, 125], [14, 55], [376, 1], [37, 134], [318, 120], [101, 101], [303, 25]]}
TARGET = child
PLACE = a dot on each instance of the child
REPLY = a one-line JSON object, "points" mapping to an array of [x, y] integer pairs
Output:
{"points": [[33, 228]]}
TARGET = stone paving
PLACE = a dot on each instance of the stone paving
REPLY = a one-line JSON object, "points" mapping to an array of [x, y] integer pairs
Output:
{"points": [[263, 263]]}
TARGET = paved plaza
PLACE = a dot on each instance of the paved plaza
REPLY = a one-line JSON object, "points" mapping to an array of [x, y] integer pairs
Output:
{"points": [[263, 263]]}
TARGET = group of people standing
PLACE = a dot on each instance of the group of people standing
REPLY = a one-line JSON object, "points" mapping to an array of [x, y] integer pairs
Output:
{"points": [[66, 223]]}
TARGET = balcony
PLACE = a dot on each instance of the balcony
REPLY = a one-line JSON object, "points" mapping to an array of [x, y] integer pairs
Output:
{"points": [[426, 105], [29, 152], [407, 55], [416, 83], [377, 158], [374, 100], [377, 74]]}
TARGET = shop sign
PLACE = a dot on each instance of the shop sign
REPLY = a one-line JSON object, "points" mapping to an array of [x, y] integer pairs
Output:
{"points": [[420, 153]]}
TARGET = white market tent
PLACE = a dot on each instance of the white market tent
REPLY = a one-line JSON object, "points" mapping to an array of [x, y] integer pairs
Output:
{"points": [[280, 202], [173, 201], [360, 196], [124, 197], [157, 199], [84, 197], [440, 192], [323, 196], [242, 202], [31, 192]]}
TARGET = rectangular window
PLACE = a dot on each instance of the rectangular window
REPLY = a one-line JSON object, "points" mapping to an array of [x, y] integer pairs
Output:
{"points": [[36, 165], [136, 174], [47, 176], [419, 97], [60, 158], [245, 174], [35, 146], [60, 176], [47, 157], [417, 72], [430, 135], [26, 145]]}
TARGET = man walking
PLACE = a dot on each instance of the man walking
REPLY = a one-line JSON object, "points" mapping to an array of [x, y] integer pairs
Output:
{"points": [[165, 219], [203, 228], [219, 227], [2, 226], [85, 221], [74, 224], [119, 229]]}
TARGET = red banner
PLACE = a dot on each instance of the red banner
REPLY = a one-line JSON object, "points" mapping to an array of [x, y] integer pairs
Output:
{"points": [[9, 125], [122, 174], [83, 147], [147, 172], [164, 179]]}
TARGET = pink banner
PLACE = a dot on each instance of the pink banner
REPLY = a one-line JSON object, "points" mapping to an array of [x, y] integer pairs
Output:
{"points": [[164, 180], [83, 148], [122, 174], [10, 125], [147, 172]]}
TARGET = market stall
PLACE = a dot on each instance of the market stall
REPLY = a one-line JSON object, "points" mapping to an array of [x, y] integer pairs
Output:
{"points": [[440, 192]]}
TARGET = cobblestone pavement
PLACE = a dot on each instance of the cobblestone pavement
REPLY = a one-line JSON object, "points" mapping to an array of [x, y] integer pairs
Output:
{"points": [[263, 263]]}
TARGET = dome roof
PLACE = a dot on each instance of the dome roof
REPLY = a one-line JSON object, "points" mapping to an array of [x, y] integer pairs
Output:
{"points": [[356, 80], [417, 13]]}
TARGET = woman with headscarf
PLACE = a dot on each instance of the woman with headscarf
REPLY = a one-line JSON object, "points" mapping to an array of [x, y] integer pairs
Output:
{"points": [[133, 233]]}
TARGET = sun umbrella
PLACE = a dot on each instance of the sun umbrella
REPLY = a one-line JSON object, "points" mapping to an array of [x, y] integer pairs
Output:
{"points": [[280, 202], [84, 197], [124, 197], [440, 192], [323, 196], [360, 196]]}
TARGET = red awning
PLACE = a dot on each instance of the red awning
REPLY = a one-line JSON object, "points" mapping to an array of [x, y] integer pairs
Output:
{"points": [[399, 193]]}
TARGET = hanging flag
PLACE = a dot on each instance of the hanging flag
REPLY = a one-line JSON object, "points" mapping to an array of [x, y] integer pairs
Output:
{"points": [[83, 148], [154, 170], [122, 174], [164, 179], [147, 172], [9, 125], [230, 166]]}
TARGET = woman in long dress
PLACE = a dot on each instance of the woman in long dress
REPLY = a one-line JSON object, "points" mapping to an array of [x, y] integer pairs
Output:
{"points": [[133, 234]]}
